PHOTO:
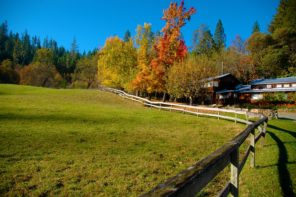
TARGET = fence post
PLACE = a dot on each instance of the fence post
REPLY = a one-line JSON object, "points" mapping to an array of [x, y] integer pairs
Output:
{"points": [[160, 106], [235, 115], [218, 115], [197, 112], [234, 176], [252, 144]]}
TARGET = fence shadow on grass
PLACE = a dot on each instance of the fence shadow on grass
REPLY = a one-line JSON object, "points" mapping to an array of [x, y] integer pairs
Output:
{"points": [[293, 134], [284, 175]]}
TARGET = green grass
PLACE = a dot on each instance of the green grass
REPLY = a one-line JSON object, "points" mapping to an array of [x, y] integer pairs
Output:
{"points": [[93, 143], [275, 172], [88, 142]]}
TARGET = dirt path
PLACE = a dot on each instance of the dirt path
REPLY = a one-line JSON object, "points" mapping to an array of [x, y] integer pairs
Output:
{"points": [[289, 115]]}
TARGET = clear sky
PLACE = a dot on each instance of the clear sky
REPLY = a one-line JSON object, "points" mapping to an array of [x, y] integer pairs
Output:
{"points": [[92, 21]]}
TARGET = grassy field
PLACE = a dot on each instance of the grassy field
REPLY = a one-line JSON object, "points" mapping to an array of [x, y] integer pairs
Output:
{"points": [[88, 142], [93, 143], [275, 172]]}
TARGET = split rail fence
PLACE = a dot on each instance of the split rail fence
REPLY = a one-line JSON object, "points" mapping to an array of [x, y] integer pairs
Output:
{"points": [[193, 179]]}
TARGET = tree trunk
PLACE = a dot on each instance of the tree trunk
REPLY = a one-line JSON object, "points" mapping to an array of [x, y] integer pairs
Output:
{"points": [[190, 100], [149, 96], [163, 98]]}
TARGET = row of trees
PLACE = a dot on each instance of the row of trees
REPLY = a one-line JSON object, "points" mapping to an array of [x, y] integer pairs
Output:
{"points": [[161, 62], [23, 59], [155, 62]]}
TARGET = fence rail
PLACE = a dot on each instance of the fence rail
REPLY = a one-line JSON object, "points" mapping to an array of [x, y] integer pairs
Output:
{"points": [[192, 180]]}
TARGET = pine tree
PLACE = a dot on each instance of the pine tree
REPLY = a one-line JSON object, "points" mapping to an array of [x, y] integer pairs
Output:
{"points": [[127, 36], [219, 36], [285, 16], [256, 27]]}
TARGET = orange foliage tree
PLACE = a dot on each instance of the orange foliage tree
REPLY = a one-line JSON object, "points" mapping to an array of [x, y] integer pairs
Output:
{"points": [[169, 48]]}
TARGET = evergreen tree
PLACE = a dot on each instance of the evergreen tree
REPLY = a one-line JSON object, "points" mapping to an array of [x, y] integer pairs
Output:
{"points": [[17, 50], [27, 55], [219, 36], [127, 36], [256, 27], [203, 41], [285, 16]]}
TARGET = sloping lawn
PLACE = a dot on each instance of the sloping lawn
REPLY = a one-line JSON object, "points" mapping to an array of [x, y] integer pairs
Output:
{"points": [[275, 172], [88, 142]]}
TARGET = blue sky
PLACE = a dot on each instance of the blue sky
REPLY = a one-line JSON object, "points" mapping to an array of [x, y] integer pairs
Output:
{"points": [[92, 21]]}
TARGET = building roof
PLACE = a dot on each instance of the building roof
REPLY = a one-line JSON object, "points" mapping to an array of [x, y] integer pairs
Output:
{"points": [[247, 89], [238, 88], [274, 81], [266, 90], [217, 77]]}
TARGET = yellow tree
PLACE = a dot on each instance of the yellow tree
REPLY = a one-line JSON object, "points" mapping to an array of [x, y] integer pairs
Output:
{"points": [[144, 40], [117, 63]]}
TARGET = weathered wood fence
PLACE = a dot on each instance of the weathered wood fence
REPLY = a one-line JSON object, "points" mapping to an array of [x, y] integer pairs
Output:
{"points": [[192, 180]]}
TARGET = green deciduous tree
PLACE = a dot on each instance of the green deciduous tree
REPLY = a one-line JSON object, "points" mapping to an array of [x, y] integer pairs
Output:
{"points": [[7, 72], [85, 74]]}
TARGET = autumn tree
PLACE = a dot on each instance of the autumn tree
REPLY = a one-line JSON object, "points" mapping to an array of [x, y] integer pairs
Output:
{"points": [[238, 44], [170, 48], [239, 65], [144, 39], [41, 72], [185, 78], [117, 63]]}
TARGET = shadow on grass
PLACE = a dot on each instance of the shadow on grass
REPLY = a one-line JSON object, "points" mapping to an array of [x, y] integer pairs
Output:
{"points": [[284, 175], [293, 134], [66, 119]]}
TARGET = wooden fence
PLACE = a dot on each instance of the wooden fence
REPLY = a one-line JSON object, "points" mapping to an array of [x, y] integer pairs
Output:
{"points": [[192, 180]]}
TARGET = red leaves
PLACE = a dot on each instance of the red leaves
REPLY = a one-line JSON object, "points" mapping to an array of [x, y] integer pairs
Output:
{"points": [[169, 48]]}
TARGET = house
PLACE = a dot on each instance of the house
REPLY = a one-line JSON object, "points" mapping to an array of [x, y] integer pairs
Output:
{"points": [[256, 90], [215, 84]]}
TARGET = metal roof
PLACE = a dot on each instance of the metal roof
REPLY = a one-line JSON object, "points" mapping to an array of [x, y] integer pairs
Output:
{"points": [[274, 81], [247, 89], [269, 90]]}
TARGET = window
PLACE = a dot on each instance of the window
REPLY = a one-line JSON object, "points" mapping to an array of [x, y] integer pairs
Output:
{"points": [[278, 85], [216, 84], [269, 86], [208, 84]]}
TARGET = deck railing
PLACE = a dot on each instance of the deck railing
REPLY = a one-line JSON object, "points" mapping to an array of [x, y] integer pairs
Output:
{"points": [[192, 180]]}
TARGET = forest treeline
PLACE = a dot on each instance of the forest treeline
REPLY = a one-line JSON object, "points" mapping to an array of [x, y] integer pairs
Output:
{"points": [[155, 62]]}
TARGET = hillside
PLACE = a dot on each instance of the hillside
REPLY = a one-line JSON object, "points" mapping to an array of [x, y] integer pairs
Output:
{"points": [[86, 142]]}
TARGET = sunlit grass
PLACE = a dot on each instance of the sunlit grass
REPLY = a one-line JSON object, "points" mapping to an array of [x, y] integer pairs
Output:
{"points": [[88, 142], [275, 172]]}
